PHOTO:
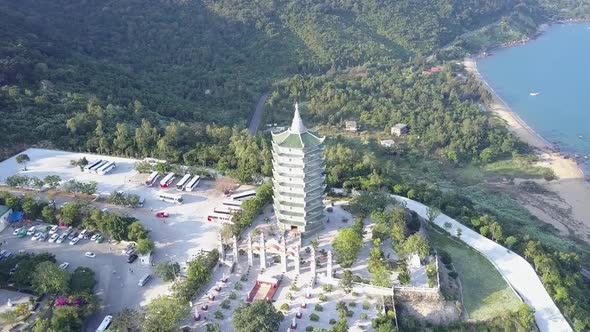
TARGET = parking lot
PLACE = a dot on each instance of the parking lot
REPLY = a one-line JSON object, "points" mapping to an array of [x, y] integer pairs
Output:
{"points": [[179, 237]]}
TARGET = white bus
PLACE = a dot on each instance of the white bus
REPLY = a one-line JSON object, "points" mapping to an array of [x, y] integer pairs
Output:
{"points": [[180, 185], [193, 183], [93, 165], [106, 322], [106, 168], [152, 179], [231, 202], [171, 198], [220, 217], [227, 209], [98, 166], [244, 195], [167, 180]]}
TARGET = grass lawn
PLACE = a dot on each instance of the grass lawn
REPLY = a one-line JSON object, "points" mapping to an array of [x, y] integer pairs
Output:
{"points": [[485, 293]]}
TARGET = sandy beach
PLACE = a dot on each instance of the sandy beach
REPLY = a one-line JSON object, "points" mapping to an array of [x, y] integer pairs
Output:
{"points": [[570, 185]]}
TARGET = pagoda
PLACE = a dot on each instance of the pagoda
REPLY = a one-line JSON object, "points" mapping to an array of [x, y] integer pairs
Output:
{"points": [[298, 178]]}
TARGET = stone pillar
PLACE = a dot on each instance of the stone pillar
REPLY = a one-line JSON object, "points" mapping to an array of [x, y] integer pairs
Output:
{"points": [[250, 253], [235, 250], [297, 263], [284, 255], [262, 252], [329, 268], [312, 263], [221, 253]]}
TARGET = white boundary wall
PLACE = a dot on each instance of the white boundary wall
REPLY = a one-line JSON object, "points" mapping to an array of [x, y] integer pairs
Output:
{"points": [[519, 274]]}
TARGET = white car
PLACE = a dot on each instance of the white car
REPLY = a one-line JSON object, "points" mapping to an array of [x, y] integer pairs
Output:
{"points": [[64, 265], [36, 236], [42, 237], [53, 229], [82, 233], [31, 230], [16, 231], [74, 241], [53, 237], [61, 238], [90, 254]]}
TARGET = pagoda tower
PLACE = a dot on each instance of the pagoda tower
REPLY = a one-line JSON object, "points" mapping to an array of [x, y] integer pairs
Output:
{"points": [[298, 178]]}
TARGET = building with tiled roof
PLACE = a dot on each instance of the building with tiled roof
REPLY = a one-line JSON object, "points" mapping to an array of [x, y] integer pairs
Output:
{"points": [[298, 178]]}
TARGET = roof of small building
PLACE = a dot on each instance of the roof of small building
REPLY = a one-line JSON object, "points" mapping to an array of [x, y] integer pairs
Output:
{"points": [[387, 142], [3, 209], [399, 125], [297, 136]]}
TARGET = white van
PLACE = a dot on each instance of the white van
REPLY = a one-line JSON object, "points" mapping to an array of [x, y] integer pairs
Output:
{"points": [[144, 280]]}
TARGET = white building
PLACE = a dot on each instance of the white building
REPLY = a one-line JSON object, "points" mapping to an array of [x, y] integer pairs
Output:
{"points": [[298, 178], [5, 211]]}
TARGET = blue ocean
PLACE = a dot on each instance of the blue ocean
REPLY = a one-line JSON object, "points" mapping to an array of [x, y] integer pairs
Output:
{"points": [[547, 83]]}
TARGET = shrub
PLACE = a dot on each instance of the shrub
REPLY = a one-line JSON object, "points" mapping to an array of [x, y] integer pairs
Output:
{"points": [[318, 307], [218, 314], [323, 297], [238, 286], [332, 321], [352, 304], [314, 318], [284, 307], [225, 304], [453, 274], [327, 287], [363, 316], [355, 294], [244, 277], [349, 313], [293, 287], [232, 295], [309, 329], [366, 305]]}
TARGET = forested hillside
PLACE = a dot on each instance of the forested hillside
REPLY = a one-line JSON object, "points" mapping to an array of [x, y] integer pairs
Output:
{"points": [[198, 60]]}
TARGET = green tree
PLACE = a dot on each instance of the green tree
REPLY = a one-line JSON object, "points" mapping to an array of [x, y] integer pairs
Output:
{"points": [[48, 214], [70, 213], [136, 231], [23, 159], [144, 246], [49, 278], [66, 319], [526, 316], [346, 281], [416, 244], [52, 181], [168, 271], [30, 207], [260, 316], [347, 244], [164, 313], [126, 320], [82, 280]]}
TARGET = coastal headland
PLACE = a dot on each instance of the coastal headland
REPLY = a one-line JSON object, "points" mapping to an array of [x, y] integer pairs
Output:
{"points": [[570, 186]]}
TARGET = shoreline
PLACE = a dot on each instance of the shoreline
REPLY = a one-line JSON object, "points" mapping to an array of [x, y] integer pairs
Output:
{"points": [[570, 185]]}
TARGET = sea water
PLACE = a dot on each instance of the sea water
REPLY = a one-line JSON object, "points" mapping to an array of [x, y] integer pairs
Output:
{"points": [[555, 67]]}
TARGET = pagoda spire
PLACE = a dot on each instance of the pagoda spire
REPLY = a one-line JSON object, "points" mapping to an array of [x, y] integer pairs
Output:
{"points": [[297, 126]]}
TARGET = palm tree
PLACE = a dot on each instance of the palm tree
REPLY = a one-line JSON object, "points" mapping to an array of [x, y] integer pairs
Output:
{"points": [[23, 159]]}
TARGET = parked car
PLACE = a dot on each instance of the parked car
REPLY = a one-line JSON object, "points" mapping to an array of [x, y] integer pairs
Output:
{"points": [[2, 252], [131, 258], [88, 235], [31, 230], [42, 237], [53, 229], [61, 238], [53, 237], [22, 233], [141, 202], [130, 251], [90, 254], [82, 233], [16, 231], [72, 235], [74, 241], [64, 265], [94, 236], [162, 214], [100, 239], [36, 236]]}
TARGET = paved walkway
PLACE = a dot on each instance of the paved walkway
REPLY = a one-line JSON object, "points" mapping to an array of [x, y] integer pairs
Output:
{"points": [[515, 270]]}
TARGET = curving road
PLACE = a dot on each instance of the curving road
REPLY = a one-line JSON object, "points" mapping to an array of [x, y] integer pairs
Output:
{"points": [[516, 270], [257, 116]]}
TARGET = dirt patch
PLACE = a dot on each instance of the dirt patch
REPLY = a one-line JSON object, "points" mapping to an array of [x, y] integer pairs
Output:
{"points": [[431, 308]]}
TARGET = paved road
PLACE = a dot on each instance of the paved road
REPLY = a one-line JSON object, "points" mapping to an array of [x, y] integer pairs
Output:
{"points": [[515, 270], [257, 116]]}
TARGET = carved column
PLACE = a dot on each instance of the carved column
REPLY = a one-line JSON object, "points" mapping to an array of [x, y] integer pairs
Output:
{"points": [[262, 252], [284, 255], [221, 252], [235, 250], [250, 253], [329, 269]]}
